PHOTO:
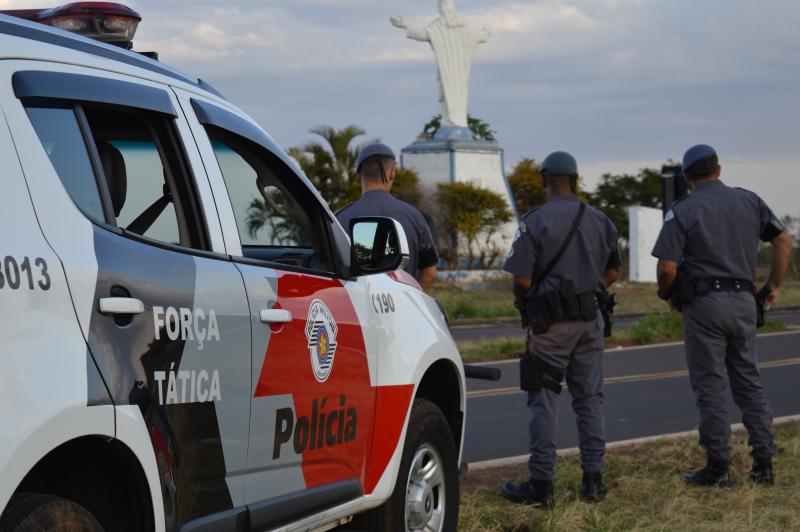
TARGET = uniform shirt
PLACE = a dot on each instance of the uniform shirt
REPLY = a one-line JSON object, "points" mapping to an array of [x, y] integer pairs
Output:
{"points": [[592, 251], [714, 232], [381, 203]]}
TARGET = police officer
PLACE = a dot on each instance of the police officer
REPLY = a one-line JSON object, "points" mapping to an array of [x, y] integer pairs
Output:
{"points": [[707, 266], [376, 168], [563, 256]]}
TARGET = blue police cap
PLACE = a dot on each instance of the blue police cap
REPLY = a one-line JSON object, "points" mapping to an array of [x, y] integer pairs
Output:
{"points": [[559, 163], [695, 154], [374, 149]]}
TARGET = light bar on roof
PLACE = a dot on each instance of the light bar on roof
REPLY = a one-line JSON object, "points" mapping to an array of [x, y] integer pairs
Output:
{"points": [[104, 21]]}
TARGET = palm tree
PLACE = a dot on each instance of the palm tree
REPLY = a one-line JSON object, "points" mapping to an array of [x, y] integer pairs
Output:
{"points": [[330, 165]]}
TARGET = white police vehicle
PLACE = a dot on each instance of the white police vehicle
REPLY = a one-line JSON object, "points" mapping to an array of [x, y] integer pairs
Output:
{"points": [[189, 342]]}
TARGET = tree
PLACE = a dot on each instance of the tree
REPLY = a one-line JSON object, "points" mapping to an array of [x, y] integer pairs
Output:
{"points": [[525, 181], [615, 193], [480, 129], [792, 224], [282, 230], [407, 188], [475, 214], [330, 165]]}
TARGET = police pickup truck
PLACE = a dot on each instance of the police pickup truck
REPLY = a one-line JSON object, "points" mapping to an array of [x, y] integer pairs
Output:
{"points": [[190, 340]]}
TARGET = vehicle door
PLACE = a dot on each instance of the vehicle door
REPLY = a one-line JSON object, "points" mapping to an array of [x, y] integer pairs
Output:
{"points": [[313, 371], [163, 308]]}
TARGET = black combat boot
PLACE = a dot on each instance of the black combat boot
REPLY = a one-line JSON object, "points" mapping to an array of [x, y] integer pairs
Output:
{"points": [[715, 473], [534, 492], [762, 471], [592, 487]]}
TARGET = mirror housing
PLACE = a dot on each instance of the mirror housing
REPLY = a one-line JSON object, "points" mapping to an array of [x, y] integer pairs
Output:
{"points": [[378, 245]]}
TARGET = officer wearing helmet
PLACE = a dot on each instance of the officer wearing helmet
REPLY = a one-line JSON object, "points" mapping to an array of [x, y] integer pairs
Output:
{"points": [[563, 258], [707, 268], [376, 167]]}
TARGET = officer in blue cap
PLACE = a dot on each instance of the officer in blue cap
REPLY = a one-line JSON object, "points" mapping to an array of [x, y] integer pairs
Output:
{"points": [[376, 167], [707, 269], [563, 258]]}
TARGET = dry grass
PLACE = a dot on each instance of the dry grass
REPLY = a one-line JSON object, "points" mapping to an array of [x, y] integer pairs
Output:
{"points": [[647, 493], [653, 329], [493, 300]]}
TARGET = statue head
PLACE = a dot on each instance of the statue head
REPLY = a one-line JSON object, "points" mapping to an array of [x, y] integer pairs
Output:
{"points": [[447, 7], [447, 11]]}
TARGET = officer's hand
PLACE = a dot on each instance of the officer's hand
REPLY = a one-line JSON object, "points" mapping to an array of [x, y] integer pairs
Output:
{"points": [[672, 306], [770, 301], [398, 22]]}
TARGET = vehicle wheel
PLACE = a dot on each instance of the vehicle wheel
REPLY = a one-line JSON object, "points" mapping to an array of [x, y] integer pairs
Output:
{"points": [[33, 512], [425, 496]]}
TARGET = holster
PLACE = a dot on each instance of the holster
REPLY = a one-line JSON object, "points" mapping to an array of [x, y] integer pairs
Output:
{"points": [[607, 302], [535, 375], [761, 311], [682, 290]]}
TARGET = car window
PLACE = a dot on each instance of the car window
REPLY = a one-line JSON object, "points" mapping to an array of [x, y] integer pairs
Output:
{"points": [[61, 137], [277, 218], [142, 195], [140, 172]]}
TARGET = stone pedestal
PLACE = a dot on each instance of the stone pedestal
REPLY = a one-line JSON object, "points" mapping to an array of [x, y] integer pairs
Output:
{"points": [[452, 156], [644, 225]]}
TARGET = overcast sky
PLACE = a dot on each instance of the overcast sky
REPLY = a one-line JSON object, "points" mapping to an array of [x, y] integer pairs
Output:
{"points": [[619, 83]]}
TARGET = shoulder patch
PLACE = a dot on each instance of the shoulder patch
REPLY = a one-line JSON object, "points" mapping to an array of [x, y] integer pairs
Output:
{"points": [[669, 216]]}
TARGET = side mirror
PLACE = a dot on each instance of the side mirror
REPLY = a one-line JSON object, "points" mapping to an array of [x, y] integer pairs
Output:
{"points": [[379, 245]]}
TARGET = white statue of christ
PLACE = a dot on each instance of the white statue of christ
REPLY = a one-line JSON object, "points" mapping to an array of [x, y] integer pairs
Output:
{"points": [[454, 43]]}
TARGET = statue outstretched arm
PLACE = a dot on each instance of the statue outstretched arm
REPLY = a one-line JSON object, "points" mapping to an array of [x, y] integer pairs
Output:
{"points": [[411, 33]]}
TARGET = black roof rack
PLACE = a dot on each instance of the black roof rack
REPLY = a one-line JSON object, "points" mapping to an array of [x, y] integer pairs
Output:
{"points": [[37, 32]]}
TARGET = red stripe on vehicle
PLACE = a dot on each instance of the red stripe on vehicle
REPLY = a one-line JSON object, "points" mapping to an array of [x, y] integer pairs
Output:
{"points": [[390, 415]]}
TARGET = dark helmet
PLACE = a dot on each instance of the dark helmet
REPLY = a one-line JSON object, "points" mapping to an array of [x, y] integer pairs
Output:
{"points": [[701, 153], [376, 149], [559, 163]]}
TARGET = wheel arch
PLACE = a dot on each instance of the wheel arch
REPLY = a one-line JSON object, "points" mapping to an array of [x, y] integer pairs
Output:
{"points": [[101, 474], [442, 385]]}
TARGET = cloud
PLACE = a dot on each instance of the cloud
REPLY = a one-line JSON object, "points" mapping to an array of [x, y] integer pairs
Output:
{"points": [[618, 82]]}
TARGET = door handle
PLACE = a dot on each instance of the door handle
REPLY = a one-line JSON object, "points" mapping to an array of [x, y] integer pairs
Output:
{"points": [[120, 305], [275, 316]]}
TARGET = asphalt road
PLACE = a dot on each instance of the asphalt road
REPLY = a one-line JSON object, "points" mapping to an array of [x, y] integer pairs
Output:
{"points": [[647, 393], [512, 330]]}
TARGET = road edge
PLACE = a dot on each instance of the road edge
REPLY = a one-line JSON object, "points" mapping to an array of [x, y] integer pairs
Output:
{"points": [[572, 451], [613, 350]]}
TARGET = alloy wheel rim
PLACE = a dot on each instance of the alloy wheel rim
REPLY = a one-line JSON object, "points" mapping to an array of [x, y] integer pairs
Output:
{"points": [[425, 491]]}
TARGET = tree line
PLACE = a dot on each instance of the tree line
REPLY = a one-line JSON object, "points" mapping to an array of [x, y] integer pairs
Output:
{"points": [[465, 218]]}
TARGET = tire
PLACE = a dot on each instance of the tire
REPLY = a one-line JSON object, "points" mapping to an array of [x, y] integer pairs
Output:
{"points": [[29, 512], [429, 440]]}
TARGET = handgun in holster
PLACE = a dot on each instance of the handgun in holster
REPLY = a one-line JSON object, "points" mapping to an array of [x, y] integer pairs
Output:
{"points": [[682, 292], [535, 375], [607, 302], [761, 305]]}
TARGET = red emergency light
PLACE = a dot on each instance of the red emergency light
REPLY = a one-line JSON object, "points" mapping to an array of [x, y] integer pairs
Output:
{"points": [[105, 21]]}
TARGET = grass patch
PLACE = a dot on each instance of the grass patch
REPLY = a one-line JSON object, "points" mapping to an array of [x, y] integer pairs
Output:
{"points": [[490, 350], [488, 301], [646, 493], [658, 328], [668, 327], [493, 300], [655, 328]]}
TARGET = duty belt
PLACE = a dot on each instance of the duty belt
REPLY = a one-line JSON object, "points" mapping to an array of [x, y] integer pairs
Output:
{"points": [[722, 284]]}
